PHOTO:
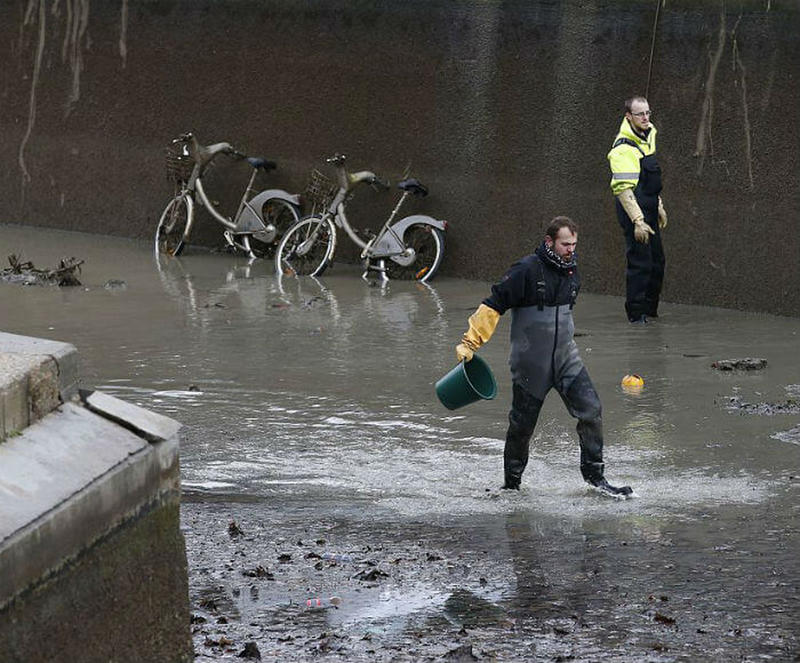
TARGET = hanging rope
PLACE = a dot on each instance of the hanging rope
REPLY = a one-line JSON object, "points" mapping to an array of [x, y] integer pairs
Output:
{"points": [[652, 49]]}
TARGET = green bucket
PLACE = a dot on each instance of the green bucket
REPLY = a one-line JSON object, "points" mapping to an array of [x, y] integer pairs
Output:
{"points": [[466, 383]]}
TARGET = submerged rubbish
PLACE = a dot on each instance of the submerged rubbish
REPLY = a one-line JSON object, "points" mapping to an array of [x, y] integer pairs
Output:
{"points": [[745, 364], [736, 404], [25, 273], [319, 602]]}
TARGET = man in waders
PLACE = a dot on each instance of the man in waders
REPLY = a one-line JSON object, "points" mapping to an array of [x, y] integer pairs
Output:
{"points": [[541, 290], [636, 184]]}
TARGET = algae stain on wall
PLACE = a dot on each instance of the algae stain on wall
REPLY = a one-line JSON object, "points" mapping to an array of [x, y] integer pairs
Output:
{"points": [[705, 143], [70, 19]]}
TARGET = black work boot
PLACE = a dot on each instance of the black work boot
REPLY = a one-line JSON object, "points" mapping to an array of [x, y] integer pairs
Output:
{"points": [[604, 487], [593, 475], [511, 483]]}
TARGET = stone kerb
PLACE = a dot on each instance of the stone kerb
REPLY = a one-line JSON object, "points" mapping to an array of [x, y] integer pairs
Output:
{"points": [[36, 376], [89, 504]]}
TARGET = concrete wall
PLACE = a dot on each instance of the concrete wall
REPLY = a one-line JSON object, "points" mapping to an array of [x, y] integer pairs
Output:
{"points": [[92, 559], [505, 109]]}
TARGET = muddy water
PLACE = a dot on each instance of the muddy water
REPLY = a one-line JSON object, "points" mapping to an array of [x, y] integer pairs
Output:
{"points": [[310, 422]]}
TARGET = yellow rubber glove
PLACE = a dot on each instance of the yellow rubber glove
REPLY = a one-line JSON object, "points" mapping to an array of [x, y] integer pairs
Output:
{"points": [[662, 214], [482, 324], [641, 231]]}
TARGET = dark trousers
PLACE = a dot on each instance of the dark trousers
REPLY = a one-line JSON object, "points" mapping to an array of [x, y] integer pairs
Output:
{"points": [[645, 272], [582, 403]]}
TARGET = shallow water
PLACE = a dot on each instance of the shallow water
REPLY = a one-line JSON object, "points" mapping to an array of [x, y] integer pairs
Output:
{"points": [[310, 414]]}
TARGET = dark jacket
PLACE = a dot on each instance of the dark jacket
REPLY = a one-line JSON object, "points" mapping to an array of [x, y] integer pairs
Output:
{"points": [[520, 285]]}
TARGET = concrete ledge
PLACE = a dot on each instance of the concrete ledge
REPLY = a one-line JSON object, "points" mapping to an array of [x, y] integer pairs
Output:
{"points": [[67, 481], [36, 376], [90, 539], [149, 425]]}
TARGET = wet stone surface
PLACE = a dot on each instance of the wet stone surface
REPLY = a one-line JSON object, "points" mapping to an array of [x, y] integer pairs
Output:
{"points": [[334, 510]]}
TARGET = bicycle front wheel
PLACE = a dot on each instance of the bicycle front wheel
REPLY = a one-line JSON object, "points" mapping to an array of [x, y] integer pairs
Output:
{"points": [[173, 227], [282, 215], [307, 247], [427, 244]]}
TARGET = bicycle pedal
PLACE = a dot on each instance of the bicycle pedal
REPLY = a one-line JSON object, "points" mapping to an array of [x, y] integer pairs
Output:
{"points": [[229, 237]]}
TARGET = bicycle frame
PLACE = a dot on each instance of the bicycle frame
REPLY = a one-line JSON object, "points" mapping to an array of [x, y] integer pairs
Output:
{"points": [[388, 242], [248, 219], [309, 246]]}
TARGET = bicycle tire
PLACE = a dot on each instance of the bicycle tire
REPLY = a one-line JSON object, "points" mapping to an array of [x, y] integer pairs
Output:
{"points": [[172, 231], [281, 214], [307, 247], [428, 245]]}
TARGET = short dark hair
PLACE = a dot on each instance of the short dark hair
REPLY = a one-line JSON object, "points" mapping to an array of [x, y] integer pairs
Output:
{"points": [[558, 223], [629, 102]]}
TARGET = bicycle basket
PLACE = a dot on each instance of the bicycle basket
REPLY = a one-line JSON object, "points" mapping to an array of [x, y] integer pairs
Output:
{"points": [[179, 165], [320, 191]]}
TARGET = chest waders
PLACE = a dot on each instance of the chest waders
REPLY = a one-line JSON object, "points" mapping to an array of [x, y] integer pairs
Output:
{"points": [[644, 275], [544, 356]]}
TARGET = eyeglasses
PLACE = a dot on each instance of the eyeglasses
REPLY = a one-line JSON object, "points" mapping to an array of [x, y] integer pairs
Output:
{"points": [[646, 113]]}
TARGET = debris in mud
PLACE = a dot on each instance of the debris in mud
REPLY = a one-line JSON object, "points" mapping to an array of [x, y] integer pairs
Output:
{"points": [[258, 572], [25, 273], [285, 558], [663, 619], [222, 642], [745, 364], [735, 403], [234, 530], [250, 651], [461, 654], [337, 558], [333, 601], [373, 575], [209, 604], [115, 284]]}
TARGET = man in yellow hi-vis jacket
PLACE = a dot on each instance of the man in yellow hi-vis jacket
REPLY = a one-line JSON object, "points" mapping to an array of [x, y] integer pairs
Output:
{"points": [[636, 184]]}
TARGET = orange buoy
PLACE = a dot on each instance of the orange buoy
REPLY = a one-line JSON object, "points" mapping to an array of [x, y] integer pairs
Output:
{"points": [[632, 382]]}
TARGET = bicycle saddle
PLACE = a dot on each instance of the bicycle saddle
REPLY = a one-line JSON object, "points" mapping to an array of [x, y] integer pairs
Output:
{"points": [[414, 186], [260, 162]]}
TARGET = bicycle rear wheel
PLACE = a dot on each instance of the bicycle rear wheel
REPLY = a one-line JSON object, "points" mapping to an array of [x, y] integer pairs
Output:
{"points": [[307, 247], [282, 215], [173, 227], [427, 243]]}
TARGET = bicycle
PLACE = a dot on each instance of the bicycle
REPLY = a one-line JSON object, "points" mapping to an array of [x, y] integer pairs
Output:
{"points": [[411, 248], [259, 221]]}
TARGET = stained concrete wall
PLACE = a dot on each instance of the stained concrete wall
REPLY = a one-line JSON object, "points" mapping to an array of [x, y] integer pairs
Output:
{"points": [[505, 109], [92, 559]]}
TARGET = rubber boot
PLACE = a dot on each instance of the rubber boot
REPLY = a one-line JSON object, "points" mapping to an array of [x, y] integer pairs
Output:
{"points": [[615, 491], [583, 403], [521, 422]]}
